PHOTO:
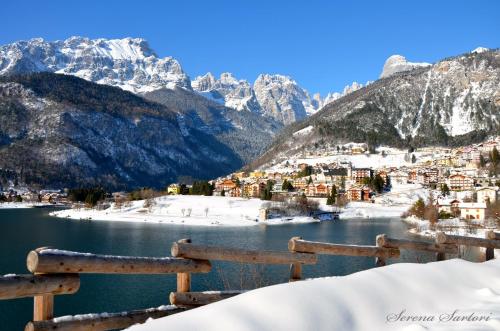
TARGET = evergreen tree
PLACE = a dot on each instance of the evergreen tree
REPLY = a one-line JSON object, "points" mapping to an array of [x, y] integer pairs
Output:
{"points": [[482, 161], [413, 158], [309, 181], [378, 183], [287, 186], [332, 196], [267, 194], [494, 156], [445, 190]]}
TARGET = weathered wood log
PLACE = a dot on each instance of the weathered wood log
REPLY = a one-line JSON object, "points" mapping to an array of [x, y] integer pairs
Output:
{"points": [[240, 255], [100, 322], [22, 286], [200, 298], [489, 254], [184, 278], [490, 234], [340, 249], [57, 261], [43, 307], [384, 241], [295, 272], [380, 261], [442, 238]]}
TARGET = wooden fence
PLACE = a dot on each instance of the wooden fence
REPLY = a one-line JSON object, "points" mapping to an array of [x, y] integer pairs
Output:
{"points": [[56, 272]]}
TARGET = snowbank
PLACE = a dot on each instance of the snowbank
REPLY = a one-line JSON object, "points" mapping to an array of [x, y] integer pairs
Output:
{"points": [[443, 295], [186, 210]]}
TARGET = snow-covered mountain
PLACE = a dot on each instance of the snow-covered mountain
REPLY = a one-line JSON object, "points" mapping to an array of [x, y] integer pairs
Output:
{"points": [[398, 63], [275, 96], [127, 63], [455, 101]]}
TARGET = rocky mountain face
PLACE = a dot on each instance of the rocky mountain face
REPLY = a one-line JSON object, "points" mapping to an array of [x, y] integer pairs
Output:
{"points": [[126, 63], [62, 131], [132, 65], [454, 101], [275, 96]]}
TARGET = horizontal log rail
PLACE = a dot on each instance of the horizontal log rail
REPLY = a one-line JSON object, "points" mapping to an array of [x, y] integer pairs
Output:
{"points": [[57, 261], [492, 235], [299, 245], [442, 238], [202, 252], [22, 286], [57, 272], [384, 241], [101, 322], [200, 298]]}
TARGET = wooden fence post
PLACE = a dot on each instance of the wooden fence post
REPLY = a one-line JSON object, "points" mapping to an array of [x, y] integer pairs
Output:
{"points": [[43, 307], [379, 261], [184, 278], [295, 268], [490, 252]]}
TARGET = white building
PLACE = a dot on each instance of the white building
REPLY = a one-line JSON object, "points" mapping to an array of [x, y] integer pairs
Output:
{"points": [[487, 194], [472, 210]]}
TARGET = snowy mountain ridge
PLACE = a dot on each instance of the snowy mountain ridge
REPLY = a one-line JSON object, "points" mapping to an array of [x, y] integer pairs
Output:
{"points": [[273, 95], [127, 63]]}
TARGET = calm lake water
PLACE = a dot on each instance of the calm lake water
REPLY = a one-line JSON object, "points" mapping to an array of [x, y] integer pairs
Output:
{"points": [[22, 230]]}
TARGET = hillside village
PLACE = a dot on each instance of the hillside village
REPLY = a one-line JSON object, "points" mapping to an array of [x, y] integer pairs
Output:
{"points": [[464, 180], [466, 177]]}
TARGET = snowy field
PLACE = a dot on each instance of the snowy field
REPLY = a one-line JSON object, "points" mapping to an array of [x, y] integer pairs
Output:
{"points": [[393, 158], [186, 210], [448, 295], [390, 204]]}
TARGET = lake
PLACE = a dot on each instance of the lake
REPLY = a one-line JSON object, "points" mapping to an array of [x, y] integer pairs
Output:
{"points": [[22, 230]]}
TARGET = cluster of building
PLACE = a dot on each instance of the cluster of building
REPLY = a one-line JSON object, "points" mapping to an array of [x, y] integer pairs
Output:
{"points": [[459, 169], [24, 194]]}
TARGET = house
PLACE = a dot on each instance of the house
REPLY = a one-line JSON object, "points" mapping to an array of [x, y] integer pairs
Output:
{"points": [[398, 177], [472, 210], [257, 174], [358, 193], [412, 176], [459, 182], [449, 206], [174, 189], [487, 194], [321, 190], [359, 174], [337, 175], [225, 185]]}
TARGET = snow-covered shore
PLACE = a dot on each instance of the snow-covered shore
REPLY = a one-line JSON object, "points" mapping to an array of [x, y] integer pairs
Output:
{"points": [[186, 210], [21, 205], [448, 295]]}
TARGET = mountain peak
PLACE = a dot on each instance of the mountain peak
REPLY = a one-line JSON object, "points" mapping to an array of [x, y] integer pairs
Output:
{"points": [[397, 63], [480, 50]]}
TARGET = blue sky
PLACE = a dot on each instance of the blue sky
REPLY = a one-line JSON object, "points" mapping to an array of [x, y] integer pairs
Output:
{"points": [[323, 45]]}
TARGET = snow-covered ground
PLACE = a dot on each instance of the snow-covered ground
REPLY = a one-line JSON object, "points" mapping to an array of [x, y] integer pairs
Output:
{"points": [[187, 210], [448, 295], [390, 204], [16, 205], [393, 158]]}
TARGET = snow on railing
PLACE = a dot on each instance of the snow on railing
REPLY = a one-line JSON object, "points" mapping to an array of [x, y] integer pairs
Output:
{"points": [[57, 272]]}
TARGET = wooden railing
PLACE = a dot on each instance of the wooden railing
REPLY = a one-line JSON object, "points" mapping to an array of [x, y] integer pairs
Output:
{"points": [[56, 272]]}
